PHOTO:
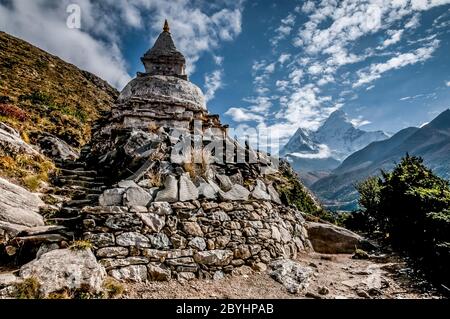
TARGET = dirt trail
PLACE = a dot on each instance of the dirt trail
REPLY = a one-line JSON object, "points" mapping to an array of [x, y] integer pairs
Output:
{"points": [[340, 275]]}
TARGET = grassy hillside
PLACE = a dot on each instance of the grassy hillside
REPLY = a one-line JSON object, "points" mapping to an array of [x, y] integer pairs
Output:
{"points": [[40, 93]]}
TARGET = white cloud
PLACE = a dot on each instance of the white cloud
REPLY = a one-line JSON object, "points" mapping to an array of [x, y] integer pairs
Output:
{"points": [[358, 122], [284, 29], [395, 36], [243, 115], [213, 82], [323, 152], [96, 47], [376, 70], [448, 83], [218, 60], [284, 57]]}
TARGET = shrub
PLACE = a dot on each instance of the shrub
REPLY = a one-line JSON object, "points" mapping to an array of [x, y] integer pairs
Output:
{"points": [[411, 207], [113, 288], [81, 245], [37, 97], [12, 111], [28, 289]]}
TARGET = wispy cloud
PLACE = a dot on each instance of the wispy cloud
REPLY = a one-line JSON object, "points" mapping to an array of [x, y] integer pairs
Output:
{"points": [[213, 82]]}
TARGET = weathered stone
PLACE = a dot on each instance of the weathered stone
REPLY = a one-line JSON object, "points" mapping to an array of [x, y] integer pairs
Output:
{"points": [[276, 235], [158, 273], [214, 257], [183, 206], [99, 210], [242, 271], [155, 254], [100, 240], [209, 205], [225, 182], [180, 253], [286, 236], [183, 261], [237, 193], [9, 231], [56, 148], [292, 275], [8, 279], [160, 208], [197, 243], [260, 191], [242, 252], [188, 191], [218, 275], [205, 190], [178, 241], [185, 276], [160, 241], [153, 221], [330, 239], [127, 184], [193, 229], [220, 216], [123, 222], [138, 209], [227, 207], [222, 242], [111, 263], [260, 267], [135, 273], [63, 269], [170, 192], [137, 196], [274, 194], [109, 252], [133, 239], [45, 248], [19, 206], [112, 197]]}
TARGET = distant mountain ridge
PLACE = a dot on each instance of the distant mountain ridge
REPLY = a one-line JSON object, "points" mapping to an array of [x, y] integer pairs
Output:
{"points": [[432, 142], [325, 149]]}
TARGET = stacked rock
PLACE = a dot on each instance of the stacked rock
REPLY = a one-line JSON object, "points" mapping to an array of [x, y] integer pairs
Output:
{"points": [[137, 238]]}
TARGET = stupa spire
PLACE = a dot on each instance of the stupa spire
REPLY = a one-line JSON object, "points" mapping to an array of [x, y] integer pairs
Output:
{"points": [[166, 26], [164, 58]]}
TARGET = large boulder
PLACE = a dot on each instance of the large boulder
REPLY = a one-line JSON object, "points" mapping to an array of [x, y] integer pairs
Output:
{"points": [[137, 196], [12, 143], [112, 197], [331, 239], [56, 148], [260, 191], [19, 206], [214, 257], [66, 269]]}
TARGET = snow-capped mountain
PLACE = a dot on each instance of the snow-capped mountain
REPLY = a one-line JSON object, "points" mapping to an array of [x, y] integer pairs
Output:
{"points": [[327, 147]]}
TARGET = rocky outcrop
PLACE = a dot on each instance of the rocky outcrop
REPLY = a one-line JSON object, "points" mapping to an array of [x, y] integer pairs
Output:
{"points": [[12, 143], [55, 148], [19, 206], [66, 269], [331, 239]]}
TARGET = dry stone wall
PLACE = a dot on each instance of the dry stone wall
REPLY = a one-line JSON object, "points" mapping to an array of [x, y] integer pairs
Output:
{"points": [[139, 239]]}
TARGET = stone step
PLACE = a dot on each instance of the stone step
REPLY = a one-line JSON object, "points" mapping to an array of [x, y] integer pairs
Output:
{"points": [[81, 203], [78, 172], [70, 211], [83, 178], [77, 182]]}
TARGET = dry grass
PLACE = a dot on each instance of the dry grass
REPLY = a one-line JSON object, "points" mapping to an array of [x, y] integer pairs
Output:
{"points": [[28, 289], [198, 162]]}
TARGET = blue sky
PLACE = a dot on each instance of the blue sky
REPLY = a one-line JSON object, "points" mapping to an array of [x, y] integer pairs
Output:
{"points": [[278, 65]]}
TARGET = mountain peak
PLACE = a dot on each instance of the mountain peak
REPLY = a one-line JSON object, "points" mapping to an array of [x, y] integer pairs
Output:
{"points": [[442, 122]]}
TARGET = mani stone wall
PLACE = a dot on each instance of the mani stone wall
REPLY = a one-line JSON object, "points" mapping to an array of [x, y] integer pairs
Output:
{"points": [[195, 239]]}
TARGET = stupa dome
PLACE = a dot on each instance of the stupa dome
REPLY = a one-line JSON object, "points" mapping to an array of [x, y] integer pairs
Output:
{"points": [[169, 90]]}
